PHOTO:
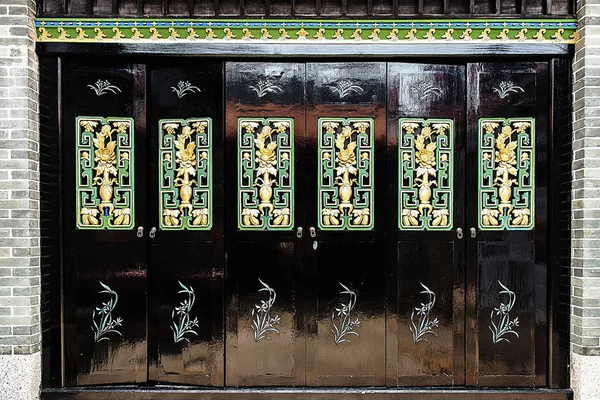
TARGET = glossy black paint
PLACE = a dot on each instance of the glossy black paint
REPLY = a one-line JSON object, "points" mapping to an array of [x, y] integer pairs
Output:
{"points": [[385, 266], [275, 257], [116, 258], [516, 258], [433, 258], [194, 258], [350, 257]]}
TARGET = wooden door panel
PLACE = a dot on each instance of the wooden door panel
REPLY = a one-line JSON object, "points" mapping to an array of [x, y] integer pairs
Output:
{"points": [[345, 146], [507, 206], [507, 298], [104, 187], [425, 193], [265, 314], [425, 321], [187, 255], [265, 116]]}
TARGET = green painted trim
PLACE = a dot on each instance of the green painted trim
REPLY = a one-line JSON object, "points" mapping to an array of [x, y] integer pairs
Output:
{"points": [[408, 196], [88, 201], [522, 193], [370, 32], [328, 196], [169, 194], [249, 204]]}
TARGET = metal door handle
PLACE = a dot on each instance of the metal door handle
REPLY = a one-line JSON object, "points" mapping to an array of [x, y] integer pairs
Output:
{"points": [[313, 232], [299, 232], [152, 233], [459, 233], [473, 233], [140, 231]]}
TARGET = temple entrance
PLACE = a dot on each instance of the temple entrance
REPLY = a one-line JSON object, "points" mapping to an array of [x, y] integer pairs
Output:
{"points": [[306, 224]]}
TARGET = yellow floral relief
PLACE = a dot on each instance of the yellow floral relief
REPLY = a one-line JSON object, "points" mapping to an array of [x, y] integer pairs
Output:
{"points": [[426, 174], [266, 173], [186, 169], [505, 173], [345, 157], [106, 172]]}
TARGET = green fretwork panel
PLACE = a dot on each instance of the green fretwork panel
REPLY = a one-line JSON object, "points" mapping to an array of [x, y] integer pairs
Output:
{"points": [[506, 195], [185, 179], [346, 190], [265, 174], [105, 160], [425, 174]]}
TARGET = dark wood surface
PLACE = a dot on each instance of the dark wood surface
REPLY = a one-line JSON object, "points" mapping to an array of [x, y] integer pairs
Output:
{"points": [[194, 258], [116, 258], [297, 8], [517, 258], [384, 266], [354, 258], [273, 256], [433, 258]]}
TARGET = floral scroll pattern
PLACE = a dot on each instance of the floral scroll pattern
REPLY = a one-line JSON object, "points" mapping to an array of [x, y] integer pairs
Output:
{"points": [[500, 322], [421, 322], [426, 174], [182, 324], [104, 153], [346, 174], [266, 174], [263, 321], [506, 173], [185, 191], [342, 321], [103, 322]]}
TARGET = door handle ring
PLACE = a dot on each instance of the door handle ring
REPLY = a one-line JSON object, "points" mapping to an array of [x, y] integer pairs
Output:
{"points": [[473, 233], [313, 232], [299, 232], [140, 231], [459, 233], [152, 233]]}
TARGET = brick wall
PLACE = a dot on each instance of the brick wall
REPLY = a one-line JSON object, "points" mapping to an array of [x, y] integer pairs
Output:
{"points": [[19, 199], [585, 271]]}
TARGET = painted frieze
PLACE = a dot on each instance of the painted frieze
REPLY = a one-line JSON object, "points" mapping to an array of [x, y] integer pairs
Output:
{"points": [[310, 31]]}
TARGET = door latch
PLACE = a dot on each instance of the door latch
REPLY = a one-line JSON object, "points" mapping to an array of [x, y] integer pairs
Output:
{"points": [[140, 231], [473, 233], [459, 233], [313, 232], [152, 233], [299, 232]]}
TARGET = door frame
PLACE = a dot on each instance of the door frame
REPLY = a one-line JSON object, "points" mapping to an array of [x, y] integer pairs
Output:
{"points": [[560, 132]]}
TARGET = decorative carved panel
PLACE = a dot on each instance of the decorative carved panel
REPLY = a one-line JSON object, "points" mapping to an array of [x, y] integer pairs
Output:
{"points": [[346, 189], [185, 180], [425, 174], [506, 173], [105, 160], [265, 173]]}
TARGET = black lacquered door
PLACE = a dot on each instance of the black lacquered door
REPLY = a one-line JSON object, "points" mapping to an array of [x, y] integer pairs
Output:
{"points": [[186, 230], [507, 215], [265, 174], [345, 142], [103, 217], [425, 249]]}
